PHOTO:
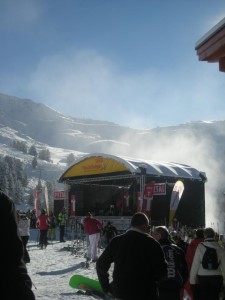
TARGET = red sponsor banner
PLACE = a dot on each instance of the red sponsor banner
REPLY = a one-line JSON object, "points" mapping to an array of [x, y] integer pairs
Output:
{"points": [[159, 189], [148, 196], [59, 195], [119, 203]]}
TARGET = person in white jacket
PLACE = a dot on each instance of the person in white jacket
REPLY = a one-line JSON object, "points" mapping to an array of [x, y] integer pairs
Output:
{"points": [[210, 281], [24, 230]]}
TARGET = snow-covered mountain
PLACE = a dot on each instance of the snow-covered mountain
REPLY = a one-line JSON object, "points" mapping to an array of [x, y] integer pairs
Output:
{"points": [[26, 120], [199, 144], [41, 123]]}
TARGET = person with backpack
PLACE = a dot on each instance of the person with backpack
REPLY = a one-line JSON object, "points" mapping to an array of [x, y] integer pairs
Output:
{"points": [[193, 291], [171, 286], [108, 232], [208, 267]]}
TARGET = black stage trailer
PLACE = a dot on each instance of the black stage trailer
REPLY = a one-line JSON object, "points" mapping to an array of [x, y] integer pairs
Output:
{"points": [[113, 186]]}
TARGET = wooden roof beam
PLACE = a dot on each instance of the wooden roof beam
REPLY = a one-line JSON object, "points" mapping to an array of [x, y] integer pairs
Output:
{"points": [[211, 47]]}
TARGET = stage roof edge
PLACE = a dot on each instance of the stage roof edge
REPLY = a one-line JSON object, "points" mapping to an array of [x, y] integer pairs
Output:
{"points": [[100, 164]]}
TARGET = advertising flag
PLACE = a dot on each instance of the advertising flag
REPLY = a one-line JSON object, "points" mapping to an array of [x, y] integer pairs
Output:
{"points": [[46, 200], [175, 199], [73, 205], [36, 201]]}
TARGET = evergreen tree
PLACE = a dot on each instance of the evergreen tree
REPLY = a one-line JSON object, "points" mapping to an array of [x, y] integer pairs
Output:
{"points": [[30, 200], [12, 177], [32, 151], [18, 170], [44, 155], [34, 163], [25, 180], [4, 184], [19, 145], [11, 185], [18, 192], [41, 195], [22, 147]]}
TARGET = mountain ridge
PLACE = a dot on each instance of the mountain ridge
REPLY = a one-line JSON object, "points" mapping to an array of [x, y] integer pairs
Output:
{"points": [[200, 144]]}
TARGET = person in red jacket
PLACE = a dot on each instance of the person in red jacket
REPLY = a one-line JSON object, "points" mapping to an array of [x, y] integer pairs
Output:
{"points": [[190, 253], [92, 227], [42, 223]]}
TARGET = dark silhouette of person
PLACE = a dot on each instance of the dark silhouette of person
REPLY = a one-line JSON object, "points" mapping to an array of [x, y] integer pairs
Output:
{"points": [[138, 260], [171, 287], [15, 282], [108, 232]]}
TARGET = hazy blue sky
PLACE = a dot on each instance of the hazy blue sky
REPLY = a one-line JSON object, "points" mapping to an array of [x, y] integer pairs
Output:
{"points": [[132, 62]]}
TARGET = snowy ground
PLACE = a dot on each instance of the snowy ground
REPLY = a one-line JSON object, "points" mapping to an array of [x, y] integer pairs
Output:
{"points": [[50, 269]]}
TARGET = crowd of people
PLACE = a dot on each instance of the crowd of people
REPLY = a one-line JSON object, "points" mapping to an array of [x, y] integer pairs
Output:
{"points": [[134, 264], [184, 270], [45, 222], [147, 262]]}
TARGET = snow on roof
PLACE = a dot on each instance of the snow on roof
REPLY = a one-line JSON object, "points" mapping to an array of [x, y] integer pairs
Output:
{"points": [[210, 33]]}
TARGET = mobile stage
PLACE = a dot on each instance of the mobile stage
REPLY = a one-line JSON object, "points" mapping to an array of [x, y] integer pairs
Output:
{"points": [[116, 187]]}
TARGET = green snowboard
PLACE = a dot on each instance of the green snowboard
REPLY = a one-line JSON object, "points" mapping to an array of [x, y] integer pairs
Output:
{"points": [[86, 284]]}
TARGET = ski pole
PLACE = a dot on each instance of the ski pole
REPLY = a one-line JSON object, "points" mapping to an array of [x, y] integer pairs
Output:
{"points": [[34, 285]]}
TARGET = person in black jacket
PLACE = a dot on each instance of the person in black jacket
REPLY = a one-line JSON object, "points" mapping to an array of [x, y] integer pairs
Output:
{"points": [[108, 232], [176, 238], [139, 263], [171, 287], [15, 282]]}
